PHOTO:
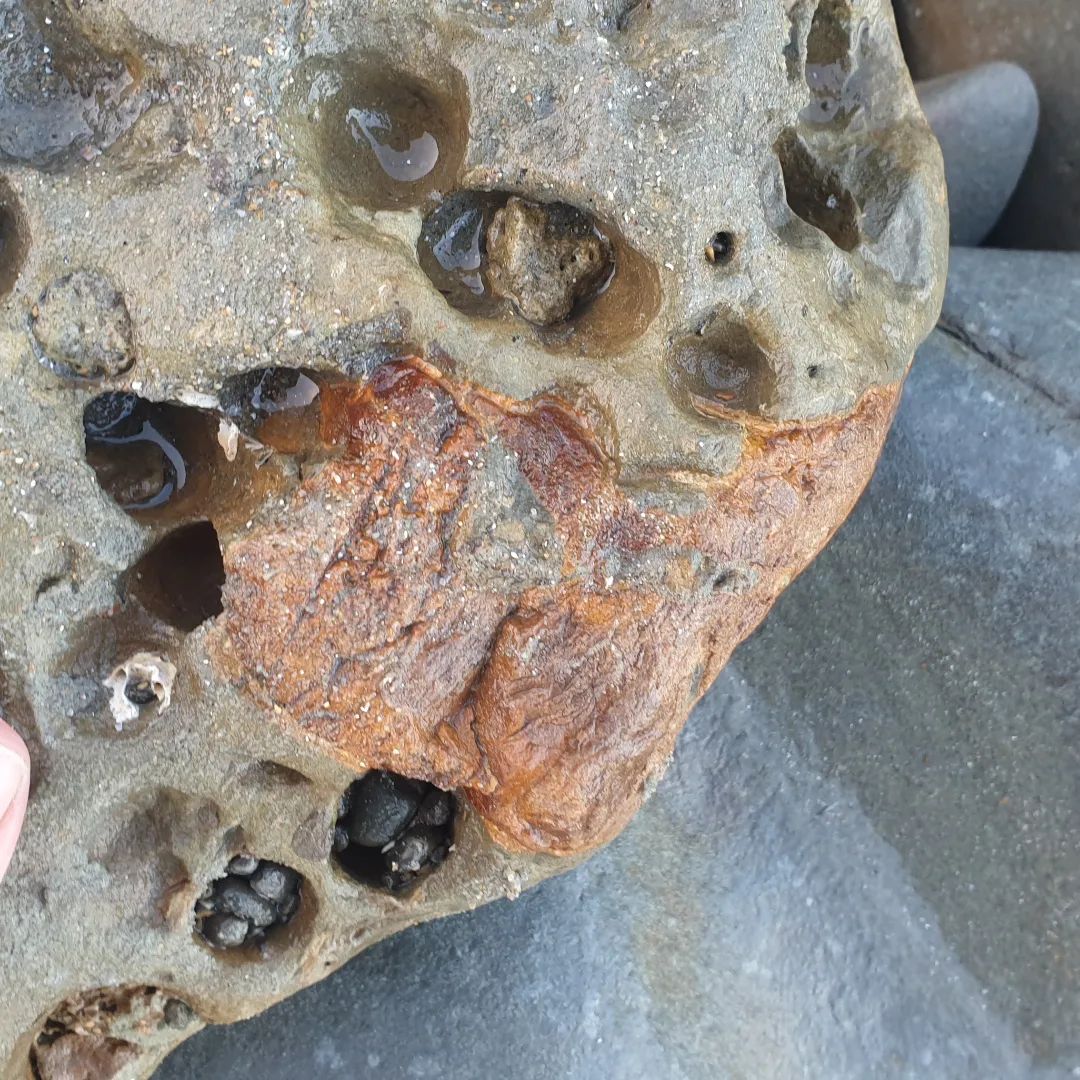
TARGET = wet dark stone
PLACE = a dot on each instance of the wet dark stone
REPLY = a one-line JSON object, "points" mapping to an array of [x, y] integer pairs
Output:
{"points": [[178, 1014], [381, 805], [237, 898], [243, 865], [225, 931], [436, 808], [139, 692], [414, 817], [273, 882]]}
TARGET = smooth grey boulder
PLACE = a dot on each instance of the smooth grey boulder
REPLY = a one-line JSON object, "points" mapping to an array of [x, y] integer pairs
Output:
{"points": [[863, 860], [985, 119]]}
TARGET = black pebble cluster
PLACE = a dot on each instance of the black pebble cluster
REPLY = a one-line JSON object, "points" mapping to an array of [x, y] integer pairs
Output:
{"points": [[391, 830], [253, 898]]}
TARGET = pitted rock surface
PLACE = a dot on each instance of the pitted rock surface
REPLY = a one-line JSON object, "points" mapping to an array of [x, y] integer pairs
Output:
{"points": [[369, 525]]}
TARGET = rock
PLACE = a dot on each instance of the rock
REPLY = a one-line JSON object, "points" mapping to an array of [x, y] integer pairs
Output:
{"points": [[985, 119], [81, 327], [225, 931], [944, 36], [494, 558], [273, 882], [381, 805], [898, 805], [237, 898], [545, 261], [243, 865]]}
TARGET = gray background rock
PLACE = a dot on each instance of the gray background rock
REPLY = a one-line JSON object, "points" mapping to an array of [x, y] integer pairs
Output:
{"points": [[863, 861], [985, 119], [943, 36]]}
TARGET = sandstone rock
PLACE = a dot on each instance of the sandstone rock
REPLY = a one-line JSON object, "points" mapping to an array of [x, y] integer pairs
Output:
{"points": [[499, 559]]}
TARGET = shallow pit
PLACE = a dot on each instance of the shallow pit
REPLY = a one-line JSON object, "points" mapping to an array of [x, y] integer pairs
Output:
{"points": [[14, 239], [179, 580], [378, 136], [165, 463], [578, 283], [393, 831], [249, 905], [723, 369], [835, 53], [816, 194]]}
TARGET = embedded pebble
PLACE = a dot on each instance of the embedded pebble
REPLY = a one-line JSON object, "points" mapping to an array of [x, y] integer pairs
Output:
{"points": [[272, 881], [413, 843], [237, 898], [382, 804], [225, 931], [257, 894], [244, 865]]}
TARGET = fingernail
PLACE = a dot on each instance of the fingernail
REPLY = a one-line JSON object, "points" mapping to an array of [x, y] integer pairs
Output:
{"points": [[13, 774]]}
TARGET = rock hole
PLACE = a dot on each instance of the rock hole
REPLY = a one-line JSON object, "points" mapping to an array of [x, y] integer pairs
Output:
{"points": [[723, 369], [392, 831], [720, 249], [14, 239], [103, 1033], [815, 194], [381, 137], [179, 580], [278, 407], [834, 64], [166, 463], [249, 904], [550, 263], [813, 371], [61, 100]]}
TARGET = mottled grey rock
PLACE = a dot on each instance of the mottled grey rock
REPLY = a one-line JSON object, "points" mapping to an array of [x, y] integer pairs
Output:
{"points": [[862, 861], [985, 120]]}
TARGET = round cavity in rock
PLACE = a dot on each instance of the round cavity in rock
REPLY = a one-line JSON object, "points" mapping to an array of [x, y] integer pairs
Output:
{"points": [[81, 328], [548, 260], [14, 242], [584, 286], [254, 899], [452, 249], [815, 194], [834, 64], [277, 406], [383, 138], [392, 831], [131, 443], [102, 1033], [720, 249], [721, 371], [180, 578]]}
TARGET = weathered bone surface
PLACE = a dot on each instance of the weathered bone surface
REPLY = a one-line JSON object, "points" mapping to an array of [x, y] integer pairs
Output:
{"points": [[331, 485]]}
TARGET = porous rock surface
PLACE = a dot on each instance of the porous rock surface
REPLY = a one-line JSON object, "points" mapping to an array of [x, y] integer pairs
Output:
{"points": [[502, 558]]}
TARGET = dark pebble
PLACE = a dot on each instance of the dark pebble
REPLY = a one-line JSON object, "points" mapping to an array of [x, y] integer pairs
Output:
{"points": [[204, 906], [413, 851], [287, 907], [341, 838], [381, 806], [225, 931], [177, 1014], [139, 692], [273, 882], [237, 898], [244, 865], [435, 809]]}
